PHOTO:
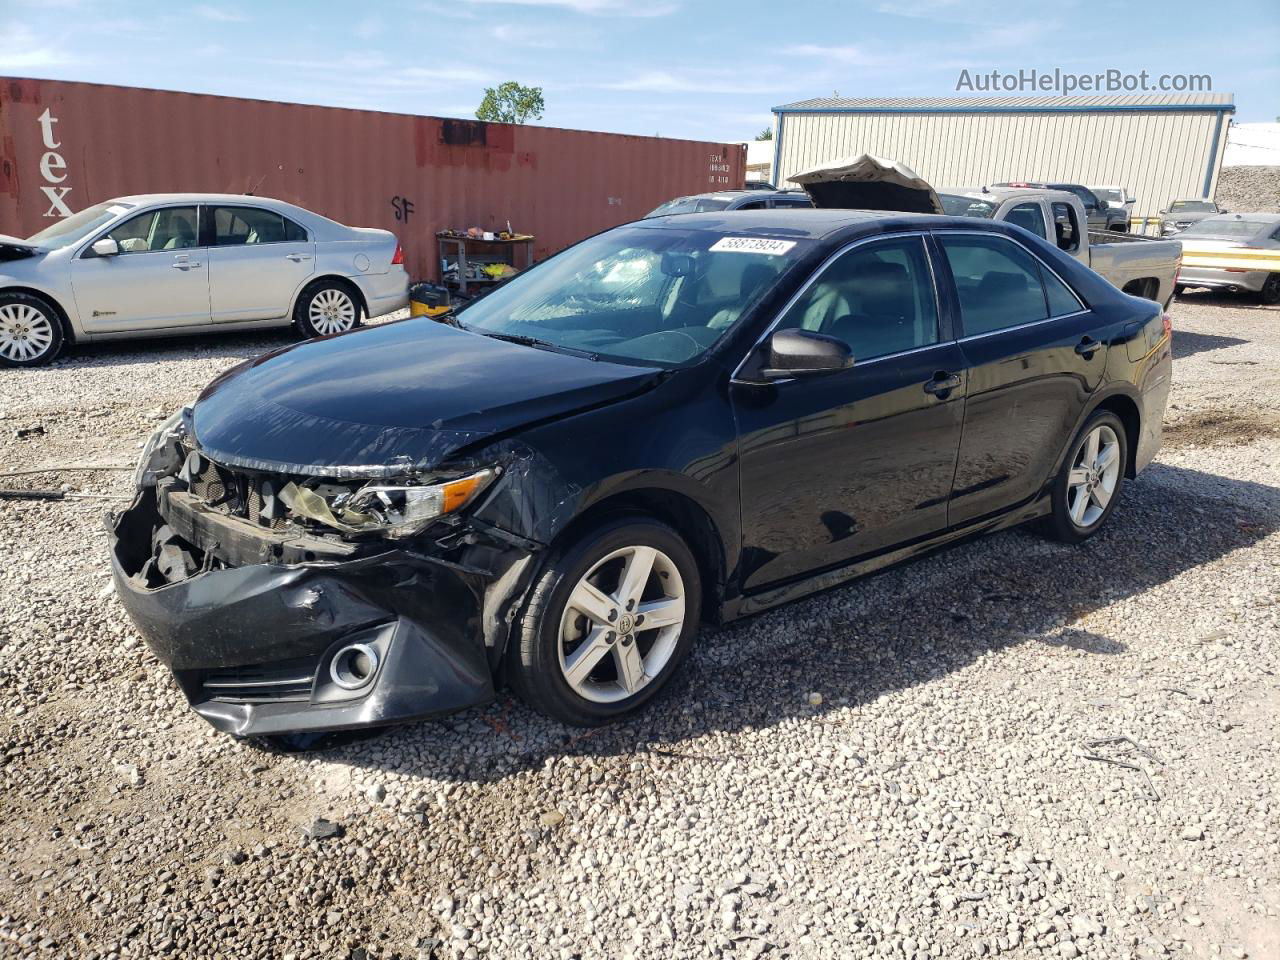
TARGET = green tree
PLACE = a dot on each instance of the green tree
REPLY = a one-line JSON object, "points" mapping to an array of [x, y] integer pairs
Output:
{"points": [[765, 134], [511, 103]]}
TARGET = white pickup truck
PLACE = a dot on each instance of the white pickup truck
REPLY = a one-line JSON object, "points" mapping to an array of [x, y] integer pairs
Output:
{"points": [[1141, 266]]}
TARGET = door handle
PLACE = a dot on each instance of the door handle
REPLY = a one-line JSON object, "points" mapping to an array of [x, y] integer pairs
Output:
{"points": [[1087, 347], [186, 264], [297, 257], [942, 384]]}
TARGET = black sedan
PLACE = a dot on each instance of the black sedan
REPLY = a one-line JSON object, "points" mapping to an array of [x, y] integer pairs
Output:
{"points": [[686, 419]]}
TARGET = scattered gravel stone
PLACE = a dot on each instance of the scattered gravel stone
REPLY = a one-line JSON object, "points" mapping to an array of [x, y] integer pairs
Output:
{"points": [[321, 829]]}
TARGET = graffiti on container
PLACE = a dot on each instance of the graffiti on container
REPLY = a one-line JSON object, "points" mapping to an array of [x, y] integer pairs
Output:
{"points": [[403, 207], [52, 168], [718, 169]]}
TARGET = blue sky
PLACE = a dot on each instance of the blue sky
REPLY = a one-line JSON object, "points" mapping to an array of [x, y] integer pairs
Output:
{"points": [[705, 69]]}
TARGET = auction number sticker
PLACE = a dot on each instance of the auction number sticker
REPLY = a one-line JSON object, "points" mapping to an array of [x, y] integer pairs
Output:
{"points": [[752, 245]]}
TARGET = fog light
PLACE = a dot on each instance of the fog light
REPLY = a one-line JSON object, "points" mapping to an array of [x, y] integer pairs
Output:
{"points": [[353, 667]]}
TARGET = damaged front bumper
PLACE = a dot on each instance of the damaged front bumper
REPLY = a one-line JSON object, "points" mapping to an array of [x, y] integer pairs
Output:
{"points": [[287, 634]]}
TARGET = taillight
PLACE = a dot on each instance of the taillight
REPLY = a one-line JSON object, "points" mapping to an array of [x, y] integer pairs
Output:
{"points": [[1168, 325], [399, 257]]}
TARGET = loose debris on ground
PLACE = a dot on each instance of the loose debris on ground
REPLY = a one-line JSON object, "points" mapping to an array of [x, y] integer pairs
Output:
{"points": [[891, 769]]}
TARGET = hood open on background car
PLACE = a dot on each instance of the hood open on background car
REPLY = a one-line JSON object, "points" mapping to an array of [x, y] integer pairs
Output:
{"points": [[867, 182], [14, 248]]}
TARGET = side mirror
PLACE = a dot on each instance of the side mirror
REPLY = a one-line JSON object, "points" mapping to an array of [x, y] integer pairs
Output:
{"points": [[106, 247], [800, 353]]}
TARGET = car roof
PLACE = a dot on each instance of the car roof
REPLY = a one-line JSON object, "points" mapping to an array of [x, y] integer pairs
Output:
{"points": [[804, 222], [999, 194], [734, 195], [1249, 217], [144, 198]]}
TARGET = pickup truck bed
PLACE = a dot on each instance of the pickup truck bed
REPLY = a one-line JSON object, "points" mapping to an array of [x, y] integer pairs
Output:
{"points": [[1136, 265]]}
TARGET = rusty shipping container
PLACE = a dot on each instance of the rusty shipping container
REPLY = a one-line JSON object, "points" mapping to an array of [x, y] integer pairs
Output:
{"points": [[64, 146]]}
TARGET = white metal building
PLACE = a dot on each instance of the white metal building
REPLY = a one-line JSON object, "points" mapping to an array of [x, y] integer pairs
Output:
{"points": [[1160, 146]]}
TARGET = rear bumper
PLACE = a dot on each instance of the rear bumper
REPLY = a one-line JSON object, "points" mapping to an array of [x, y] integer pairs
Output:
{"points": [[1251, 280], [252, 647], [385, 292]]}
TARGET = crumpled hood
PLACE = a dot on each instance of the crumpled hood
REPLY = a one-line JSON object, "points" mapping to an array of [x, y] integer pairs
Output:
{"points": [[394, 398], [15, 248]]}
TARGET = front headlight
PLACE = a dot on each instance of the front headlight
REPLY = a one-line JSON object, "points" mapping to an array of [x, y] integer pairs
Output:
{"points": [[394, 509], [160, 456]]}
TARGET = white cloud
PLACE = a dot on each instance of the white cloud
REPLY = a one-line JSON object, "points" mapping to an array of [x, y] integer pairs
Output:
{"points": [[21, 49], [701, 81], [220, 14], [617, 8]]}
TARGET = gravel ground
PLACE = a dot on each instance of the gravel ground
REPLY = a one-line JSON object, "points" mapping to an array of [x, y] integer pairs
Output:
{"points": [[921, 764], [1249, 189]]}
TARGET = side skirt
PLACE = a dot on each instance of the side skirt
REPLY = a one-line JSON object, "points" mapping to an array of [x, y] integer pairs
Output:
{"points": [[745, 606]]}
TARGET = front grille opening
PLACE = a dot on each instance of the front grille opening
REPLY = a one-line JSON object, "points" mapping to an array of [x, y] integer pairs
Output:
{"points": [[241, 494], [287, 680]]}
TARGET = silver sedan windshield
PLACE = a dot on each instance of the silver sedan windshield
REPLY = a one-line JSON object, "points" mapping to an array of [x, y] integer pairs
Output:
{"points": [[74, 228]]}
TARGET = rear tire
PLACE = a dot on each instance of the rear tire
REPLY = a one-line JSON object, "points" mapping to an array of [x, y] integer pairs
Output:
{"points": [[1088, 486], [30, 331], [583, 653], [1270, 293], [1179, 289], [327, 308]]}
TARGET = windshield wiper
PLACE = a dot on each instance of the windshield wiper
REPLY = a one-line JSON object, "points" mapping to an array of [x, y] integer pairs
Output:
{"points": [[527, 341]]}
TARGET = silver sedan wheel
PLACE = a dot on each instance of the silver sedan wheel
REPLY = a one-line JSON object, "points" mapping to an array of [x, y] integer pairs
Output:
{"points": [[332, 311], [621, 624], [25, 332], [1094, 475]]}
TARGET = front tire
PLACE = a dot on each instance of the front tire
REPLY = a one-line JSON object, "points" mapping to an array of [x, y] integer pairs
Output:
{"points": [[327, 308], [30, 331], [608, 623], [1087, 487]]}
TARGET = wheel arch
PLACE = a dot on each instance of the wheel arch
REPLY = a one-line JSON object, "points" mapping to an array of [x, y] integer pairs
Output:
{"points": [[1126, 408], [64, 319], [682, 513], [347, 282]]}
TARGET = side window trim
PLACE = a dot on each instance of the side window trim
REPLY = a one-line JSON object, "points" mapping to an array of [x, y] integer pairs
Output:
{"points": [[1041, 267], [818, 271]]}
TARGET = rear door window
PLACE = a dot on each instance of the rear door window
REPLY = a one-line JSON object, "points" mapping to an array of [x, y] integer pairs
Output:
{"points": [[1066, 227], [998, 283], [242, 226]]}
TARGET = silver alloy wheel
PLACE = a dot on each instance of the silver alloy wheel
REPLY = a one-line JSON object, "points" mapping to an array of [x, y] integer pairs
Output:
{"points": [[1095, 471], [25, 332], [622, 624], [331, 311]]}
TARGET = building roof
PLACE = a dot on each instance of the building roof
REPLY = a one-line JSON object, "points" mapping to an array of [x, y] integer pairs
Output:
{"points": [[1154, 102]]}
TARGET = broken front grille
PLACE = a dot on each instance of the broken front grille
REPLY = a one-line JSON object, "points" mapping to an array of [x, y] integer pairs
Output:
{"points": [[240, 494]]}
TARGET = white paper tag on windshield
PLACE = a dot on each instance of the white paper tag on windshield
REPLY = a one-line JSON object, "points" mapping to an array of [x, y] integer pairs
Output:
{"points": [[752, 245]]}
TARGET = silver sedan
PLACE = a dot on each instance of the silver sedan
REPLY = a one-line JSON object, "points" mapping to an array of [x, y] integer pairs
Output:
{"points": [[1242, 250], [169, 264]]}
